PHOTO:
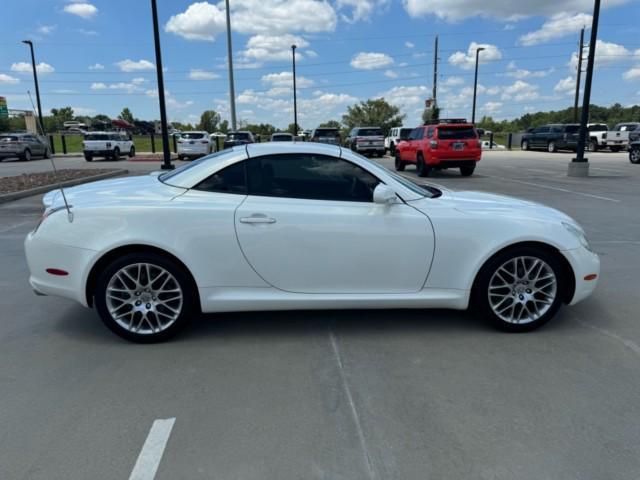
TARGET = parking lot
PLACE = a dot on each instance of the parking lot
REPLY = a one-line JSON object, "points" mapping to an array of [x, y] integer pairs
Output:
{"points": [[338, 394]]}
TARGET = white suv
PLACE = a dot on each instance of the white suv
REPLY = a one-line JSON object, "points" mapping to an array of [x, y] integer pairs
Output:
{"points": [[194, 144], [107, 145], [395, 135]]}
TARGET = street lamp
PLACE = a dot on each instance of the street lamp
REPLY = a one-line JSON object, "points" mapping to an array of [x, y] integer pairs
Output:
{"points": [[475, 86], [35, 80], [295, 101], [166, 165], [232, 90]]}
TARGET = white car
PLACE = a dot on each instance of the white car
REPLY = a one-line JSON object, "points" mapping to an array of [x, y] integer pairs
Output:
{"points": [[194, 144], [287, 226], [108, 145], [396, 135]]}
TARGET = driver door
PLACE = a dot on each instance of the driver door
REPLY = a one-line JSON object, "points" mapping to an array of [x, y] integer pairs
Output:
{"points": [[309, 225]]}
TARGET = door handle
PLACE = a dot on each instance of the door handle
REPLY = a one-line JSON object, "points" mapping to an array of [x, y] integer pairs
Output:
{"points": [[256, 219]]}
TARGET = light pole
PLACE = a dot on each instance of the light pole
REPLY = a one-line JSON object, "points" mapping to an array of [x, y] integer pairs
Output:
{"points": [[475, 86], [166, 164], [579, 72], [579, 166], [35, 80], [295, 100], [232, 90]]}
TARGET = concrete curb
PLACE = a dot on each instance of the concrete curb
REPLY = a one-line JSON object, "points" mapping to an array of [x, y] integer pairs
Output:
{"points": [[10, 197]]}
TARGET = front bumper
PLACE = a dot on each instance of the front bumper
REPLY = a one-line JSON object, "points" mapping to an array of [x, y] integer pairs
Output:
{"points": [[42, 254], [583, 262]]}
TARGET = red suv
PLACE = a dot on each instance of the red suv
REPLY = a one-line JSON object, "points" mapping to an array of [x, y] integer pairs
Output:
{"points": [[443, 144]]}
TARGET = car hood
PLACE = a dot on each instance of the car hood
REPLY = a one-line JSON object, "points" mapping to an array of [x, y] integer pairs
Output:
{"points": [[137, 190]]}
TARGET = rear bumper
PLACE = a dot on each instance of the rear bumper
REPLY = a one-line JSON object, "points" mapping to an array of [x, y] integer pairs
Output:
{"points": [[99, 153], [452, 162]]}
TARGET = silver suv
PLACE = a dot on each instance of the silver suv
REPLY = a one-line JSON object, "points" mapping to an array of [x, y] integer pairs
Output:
{"points": [[23, 145]]}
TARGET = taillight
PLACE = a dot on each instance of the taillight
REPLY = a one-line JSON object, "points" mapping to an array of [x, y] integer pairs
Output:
{"points": [[433, 144]]}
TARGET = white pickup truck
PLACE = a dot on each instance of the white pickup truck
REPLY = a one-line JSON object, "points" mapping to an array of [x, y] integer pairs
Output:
{"points": [[107, 145], [597, 136], [618, 138]]}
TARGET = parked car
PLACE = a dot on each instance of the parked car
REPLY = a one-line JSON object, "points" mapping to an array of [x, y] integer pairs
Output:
{"points": [[238, 138], [486, 145], [552, 137], [282, 137], [634, 152], [620, 137], [366, 140], [439, 145], [395, 135], [597, 136], [257, 228], [634, 135], [107, 145], [193, 145], [326, 135], [25, 146]]}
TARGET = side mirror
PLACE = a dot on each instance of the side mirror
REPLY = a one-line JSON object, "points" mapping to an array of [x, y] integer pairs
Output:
{"points": [[384, 195]]}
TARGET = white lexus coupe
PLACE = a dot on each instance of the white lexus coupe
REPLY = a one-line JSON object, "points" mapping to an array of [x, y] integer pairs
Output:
{"points": [[301, 226]]}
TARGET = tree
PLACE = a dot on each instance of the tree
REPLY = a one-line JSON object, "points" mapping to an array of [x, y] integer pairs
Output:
{"points": [[374, 113], [331, 124], [430, 114], [292, 129], [209, 121], [126, 115], [63, 114], [224, 126]]}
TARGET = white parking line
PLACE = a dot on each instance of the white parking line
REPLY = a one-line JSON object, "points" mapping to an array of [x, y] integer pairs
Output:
{"points": [[631, 345], [149, 459], [549, 187]]}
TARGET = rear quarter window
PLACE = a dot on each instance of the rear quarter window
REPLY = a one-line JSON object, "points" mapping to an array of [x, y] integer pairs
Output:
{"points": [[370, 132]]}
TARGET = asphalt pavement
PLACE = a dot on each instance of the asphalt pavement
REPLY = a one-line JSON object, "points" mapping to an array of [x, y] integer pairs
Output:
{"points": [[338, 394]]}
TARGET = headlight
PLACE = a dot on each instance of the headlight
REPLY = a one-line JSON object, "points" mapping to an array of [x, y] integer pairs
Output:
{"points": [[578, 233]]}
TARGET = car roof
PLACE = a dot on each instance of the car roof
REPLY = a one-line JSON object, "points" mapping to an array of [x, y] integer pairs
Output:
{"points": [[258, 149]]}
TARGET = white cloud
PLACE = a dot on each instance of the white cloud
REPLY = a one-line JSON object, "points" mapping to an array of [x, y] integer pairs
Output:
{"points": [[515, 72], [133, 66], [172, 103], [139, 80], [81, 9], [632, 74], [128, 87], [409, 44], [8, 79], [285, 79], [558, 26], [467, 60], [453, 81], [520, 91], [501, 9], [83, 111], [24, 67], [273, 47], [201, 21], [492, 107], [607, 53], [198, 74], [566, 86], [370, 60], [87, 32], [96, 66], [410, 99], [361, 9], [311, 53], [390, 74], [46, 29]]}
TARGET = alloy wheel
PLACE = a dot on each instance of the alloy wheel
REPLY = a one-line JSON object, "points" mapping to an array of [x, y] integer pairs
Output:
{"points": [[522, 290]]}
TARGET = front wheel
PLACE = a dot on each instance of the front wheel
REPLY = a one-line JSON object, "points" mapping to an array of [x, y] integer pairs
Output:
{"points": [[520, 289], [132, 152], [144, 297], [422, 169], [592, 146], [634, 155], [399, 164], [467, 171], [26, 156], [47, 153], [392, 149], [116, 154], [551, 147], [524, 145]]}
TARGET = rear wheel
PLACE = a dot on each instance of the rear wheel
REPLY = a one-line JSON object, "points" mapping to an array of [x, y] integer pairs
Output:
{"points": [[592, 146], [520, 289], [399, 164], [634, 155], [422, 168], [392, 149], [116, 154], [551, 147], [132, 152], [144, 297], [26, 155], [88, 157], [47, 153], [524, 145], [467, 171]]}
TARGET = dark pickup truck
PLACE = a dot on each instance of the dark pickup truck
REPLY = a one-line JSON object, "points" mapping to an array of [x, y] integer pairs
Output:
{"points": [[551, 137]]}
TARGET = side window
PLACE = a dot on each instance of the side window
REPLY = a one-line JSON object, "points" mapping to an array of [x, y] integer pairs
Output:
{"points": [[430, 132], [541, 130], [414, 134], [420, 134], [310, 176], [231, 179]]}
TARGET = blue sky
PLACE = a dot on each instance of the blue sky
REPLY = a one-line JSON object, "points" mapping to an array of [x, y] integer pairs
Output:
{"points": [[97, 55]]}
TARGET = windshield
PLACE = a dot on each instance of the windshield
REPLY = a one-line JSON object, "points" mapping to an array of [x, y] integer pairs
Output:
{"points": [[238, 136], [97, 136], [326, 132], [192, 136], [572, 128], [369, 132], [166, 176], [598, 128], [449, 133]]}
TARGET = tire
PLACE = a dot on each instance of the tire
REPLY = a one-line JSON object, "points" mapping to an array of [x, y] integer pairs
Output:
{"points": [[551, 147], [88, 158], [116, 154], [524, 145], [132, 152], [47, 153], [392, 149], [634, 155], [592, 146], [150, 314], [26, 155], [399, 164], [422, 169], [467, 171], [499, 297]]}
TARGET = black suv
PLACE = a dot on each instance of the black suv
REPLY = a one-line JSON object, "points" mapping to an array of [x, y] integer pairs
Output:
{"points": [[551, 137]]}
